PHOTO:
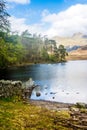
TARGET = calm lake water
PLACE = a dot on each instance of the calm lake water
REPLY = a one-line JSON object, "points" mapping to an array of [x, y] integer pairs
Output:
{"points": [[62, 82]]}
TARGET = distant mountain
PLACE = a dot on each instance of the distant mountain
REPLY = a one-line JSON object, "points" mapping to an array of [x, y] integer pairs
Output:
{"points": [[71, 48], [79, 35], [78, 39], [79, 54], [75, 45]]}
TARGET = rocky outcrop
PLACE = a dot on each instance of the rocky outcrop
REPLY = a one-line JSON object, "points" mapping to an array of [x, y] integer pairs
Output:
{"points": [[78, 118], [28, 88], [81, 105], [16, 88]]}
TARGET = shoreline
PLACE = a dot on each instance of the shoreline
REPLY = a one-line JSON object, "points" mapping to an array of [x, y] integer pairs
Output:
{"points": [[51, 105], [28, 64], [59, 106]]}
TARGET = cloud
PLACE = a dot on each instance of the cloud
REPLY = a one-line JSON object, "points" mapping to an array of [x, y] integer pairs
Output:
{"points": [[64, 23], [20, 1], [19, 25], [67, 22]]}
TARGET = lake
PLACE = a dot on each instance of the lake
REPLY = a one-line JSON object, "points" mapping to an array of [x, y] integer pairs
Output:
{"points": [[62, 82]]}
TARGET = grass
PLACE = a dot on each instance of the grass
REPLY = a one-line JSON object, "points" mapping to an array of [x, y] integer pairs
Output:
{"points": [[16, 115]]}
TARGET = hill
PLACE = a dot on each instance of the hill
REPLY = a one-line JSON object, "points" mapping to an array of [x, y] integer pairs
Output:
{"points": [[79, 54], [78, 39], [75, 45]]}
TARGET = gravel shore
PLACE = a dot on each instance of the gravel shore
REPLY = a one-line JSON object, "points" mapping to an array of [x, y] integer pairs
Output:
{"points": [[51, 105]]}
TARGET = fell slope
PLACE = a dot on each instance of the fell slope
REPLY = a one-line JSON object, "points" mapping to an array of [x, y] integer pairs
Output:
{"points": [[79, 54], [78, 39], [77, 46]]}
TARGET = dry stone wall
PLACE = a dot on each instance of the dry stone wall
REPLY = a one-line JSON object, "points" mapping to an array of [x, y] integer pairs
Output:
{"points": [[10, 88], [16, 88]]}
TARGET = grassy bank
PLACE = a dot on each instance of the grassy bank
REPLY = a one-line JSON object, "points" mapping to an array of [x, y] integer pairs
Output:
{"points": [[16, 115], [21, 115]]}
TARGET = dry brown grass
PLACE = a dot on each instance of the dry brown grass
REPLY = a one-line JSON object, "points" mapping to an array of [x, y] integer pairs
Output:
{"points": [[78, 55]]}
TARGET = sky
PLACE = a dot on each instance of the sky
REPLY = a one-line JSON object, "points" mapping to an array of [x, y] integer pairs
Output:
{"points": [[48, 17]]}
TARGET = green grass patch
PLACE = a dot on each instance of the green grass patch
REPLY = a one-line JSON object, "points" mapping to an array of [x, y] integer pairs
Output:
{"points": [[20, 116]]}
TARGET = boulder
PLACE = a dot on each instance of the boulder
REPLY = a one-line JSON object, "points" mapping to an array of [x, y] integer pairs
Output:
{"points": [[38, 94], [81, 105]]}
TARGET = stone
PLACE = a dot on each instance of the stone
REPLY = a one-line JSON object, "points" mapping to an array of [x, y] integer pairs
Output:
{"points": [[29, 83], [81, 105], [38, 94], [74, 109]]}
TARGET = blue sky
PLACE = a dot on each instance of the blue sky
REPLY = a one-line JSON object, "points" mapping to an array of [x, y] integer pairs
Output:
{"points": [[48, 17]]}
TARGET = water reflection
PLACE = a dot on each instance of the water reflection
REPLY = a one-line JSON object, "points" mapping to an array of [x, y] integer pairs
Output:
{"points": [[63, 82]]}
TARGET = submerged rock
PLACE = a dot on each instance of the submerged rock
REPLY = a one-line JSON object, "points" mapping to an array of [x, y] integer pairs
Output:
{"points": [[38, 94], [53, 92]]}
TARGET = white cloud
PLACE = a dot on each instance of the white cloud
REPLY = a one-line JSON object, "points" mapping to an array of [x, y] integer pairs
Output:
{"points": [[19, 25], [20, 1], [70, 21], [65, 23]]}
